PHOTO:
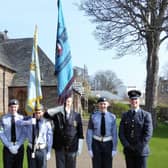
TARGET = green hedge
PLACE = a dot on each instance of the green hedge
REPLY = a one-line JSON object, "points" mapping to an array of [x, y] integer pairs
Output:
{"points": [[118, 108], [162, 113]]}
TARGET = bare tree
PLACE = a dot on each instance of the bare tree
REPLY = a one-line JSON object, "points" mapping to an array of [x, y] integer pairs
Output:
{"points": [[106, 80], [132, 25]]}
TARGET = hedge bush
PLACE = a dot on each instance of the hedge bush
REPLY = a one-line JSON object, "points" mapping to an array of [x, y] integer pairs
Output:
{"points": [[118, 108]]}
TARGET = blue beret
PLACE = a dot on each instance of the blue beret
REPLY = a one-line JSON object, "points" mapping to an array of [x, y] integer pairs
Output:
{"points": [[101, 99], [13, 102]]}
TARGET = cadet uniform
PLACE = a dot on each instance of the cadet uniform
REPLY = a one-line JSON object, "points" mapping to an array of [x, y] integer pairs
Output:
{"points": [[135, 131], [12, 136], [68, 136], [40, 138], [102, 144]]}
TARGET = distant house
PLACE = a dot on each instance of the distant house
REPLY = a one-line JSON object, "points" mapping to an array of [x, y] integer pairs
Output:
{"points": [[15, 58], [107, 94], [163, 91]]}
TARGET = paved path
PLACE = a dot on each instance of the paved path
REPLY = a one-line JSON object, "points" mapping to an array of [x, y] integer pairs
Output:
{"points": [[84, 161]]}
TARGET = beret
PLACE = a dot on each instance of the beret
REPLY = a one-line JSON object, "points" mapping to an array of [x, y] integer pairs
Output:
{"points": [[101, 99], [13, 102], [39, 107]]}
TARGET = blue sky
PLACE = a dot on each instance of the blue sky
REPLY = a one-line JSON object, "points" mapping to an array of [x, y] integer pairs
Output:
{"points": [[20, 16]]}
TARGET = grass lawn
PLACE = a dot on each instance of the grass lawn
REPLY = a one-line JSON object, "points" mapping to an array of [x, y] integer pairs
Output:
{"points": [[158, 147]]}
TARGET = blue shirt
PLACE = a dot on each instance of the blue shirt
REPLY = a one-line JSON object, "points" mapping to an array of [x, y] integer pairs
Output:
{"points": [[94, 128], [5, 132], [45, 134]]}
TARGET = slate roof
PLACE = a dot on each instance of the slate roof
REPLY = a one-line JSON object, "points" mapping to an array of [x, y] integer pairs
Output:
{"points": [[16, 54]]}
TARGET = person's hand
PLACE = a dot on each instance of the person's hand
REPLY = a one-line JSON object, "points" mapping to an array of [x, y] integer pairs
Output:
{"points": [[91, 153], [80, 146], [48, 156], [13, 149], [114, 153], [33, 121]]}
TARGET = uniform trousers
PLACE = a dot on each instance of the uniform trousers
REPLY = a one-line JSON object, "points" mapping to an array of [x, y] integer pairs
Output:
{"points": [[65, 159], [13, 160], [102, 154], [134, 161], [40, 158]]}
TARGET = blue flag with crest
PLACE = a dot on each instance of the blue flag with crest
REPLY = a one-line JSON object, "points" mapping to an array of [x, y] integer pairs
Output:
{"points": [[63, 60]]}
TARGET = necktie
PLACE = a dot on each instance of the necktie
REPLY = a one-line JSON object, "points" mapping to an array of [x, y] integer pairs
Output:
{"points": [[133, 112], [103, 126], [13, 130], [37, 128]]}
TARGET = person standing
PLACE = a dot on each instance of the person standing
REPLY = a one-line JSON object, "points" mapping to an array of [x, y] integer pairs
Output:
{"points": [[101, 136], [12, 137], [135, 131], [40, 137], [68, 133]]}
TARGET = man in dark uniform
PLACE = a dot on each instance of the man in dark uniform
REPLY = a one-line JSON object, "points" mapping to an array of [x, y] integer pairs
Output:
{"points": [[101, 136], [68, 134], [135, 131], [12, 137]]}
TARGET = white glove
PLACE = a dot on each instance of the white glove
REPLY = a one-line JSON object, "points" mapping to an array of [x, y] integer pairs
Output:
{"points": [[55, 110], [80, 146], [48, 156], [91, 153], [13, 149], [33, 121], [114, 153]]}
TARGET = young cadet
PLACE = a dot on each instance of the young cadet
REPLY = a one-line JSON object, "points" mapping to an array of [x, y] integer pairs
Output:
{"points": [[135, 131], [101, 136], [68, 134], [40, 137], [12, 137]]}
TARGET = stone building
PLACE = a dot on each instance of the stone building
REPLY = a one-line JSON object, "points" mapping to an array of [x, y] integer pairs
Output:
{"points": [[163, 91], [15, 58]]}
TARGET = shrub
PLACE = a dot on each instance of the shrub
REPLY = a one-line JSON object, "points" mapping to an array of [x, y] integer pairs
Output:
{"points": [[162, 113], [118, 108]]}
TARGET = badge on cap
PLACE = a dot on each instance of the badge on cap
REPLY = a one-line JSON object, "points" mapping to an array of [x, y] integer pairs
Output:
{"points": [[13, 102], [101, 99]]}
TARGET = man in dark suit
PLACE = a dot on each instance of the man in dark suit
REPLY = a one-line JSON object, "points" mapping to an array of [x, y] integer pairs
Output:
{"points": [[135, 131], [68, 133]]}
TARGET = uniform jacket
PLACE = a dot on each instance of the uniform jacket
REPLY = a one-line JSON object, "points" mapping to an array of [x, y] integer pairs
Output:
{"points": [[67, 132], [94, 128], [45, 134], [135, 131], [5, 133]]}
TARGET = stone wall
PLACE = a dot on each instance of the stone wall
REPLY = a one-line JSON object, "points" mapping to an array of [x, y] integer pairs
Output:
{"points": [[20, 93], [5, 81]]}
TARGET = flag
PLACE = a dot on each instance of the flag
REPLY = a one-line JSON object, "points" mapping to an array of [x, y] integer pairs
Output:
{"points": [[34, 86], [63, 60]]}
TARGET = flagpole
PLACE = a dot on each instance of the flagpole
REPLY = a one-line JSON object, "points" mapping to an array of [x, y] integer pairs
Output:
{"points": [[37, 103]]}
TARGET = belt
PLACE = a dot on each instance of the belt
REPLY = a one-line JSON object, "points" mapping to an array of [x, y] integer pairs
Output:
{"points": [[38, 146], [102, 139]]}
